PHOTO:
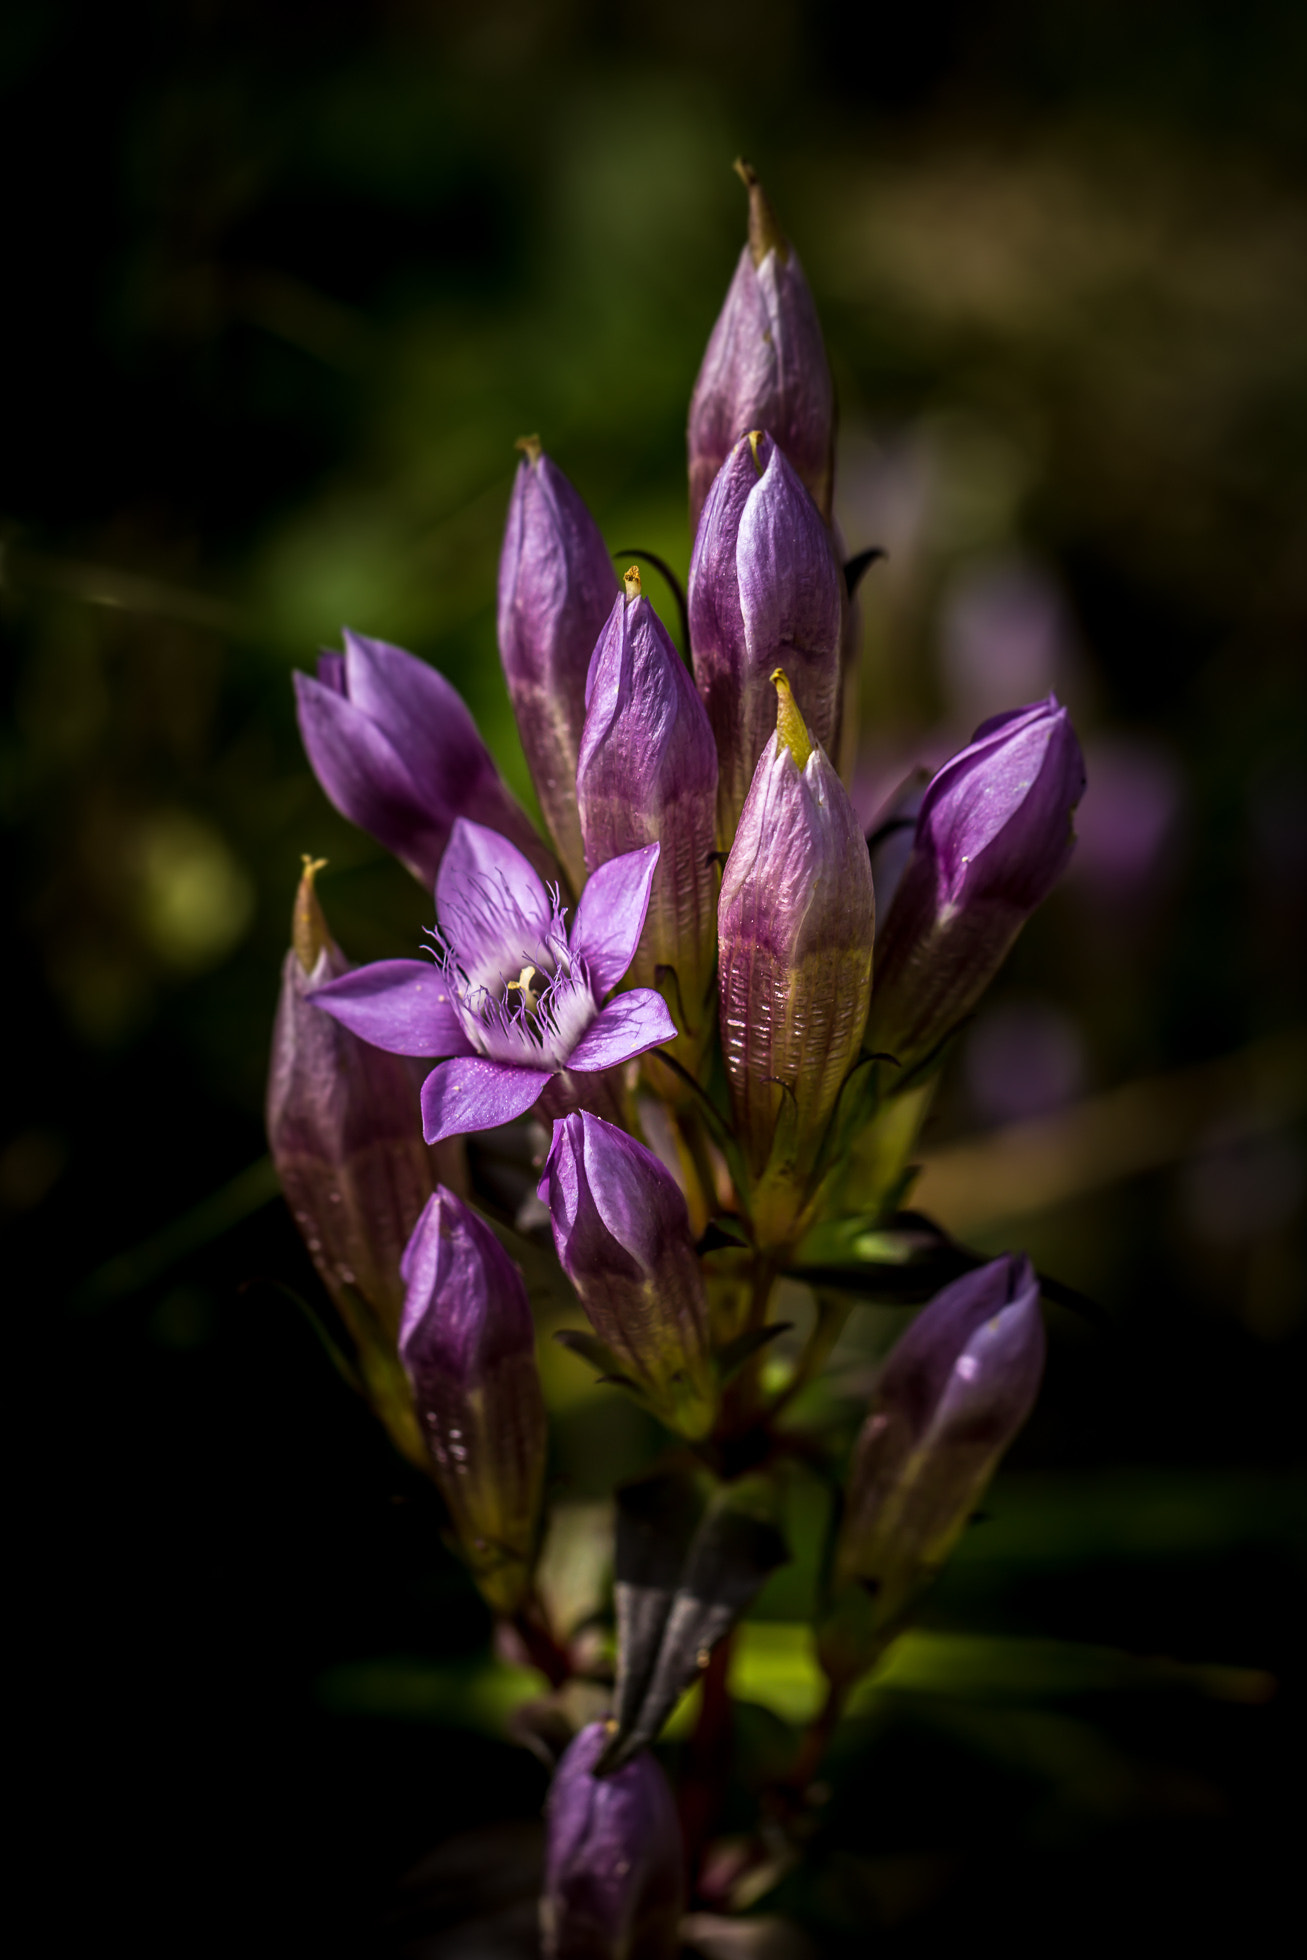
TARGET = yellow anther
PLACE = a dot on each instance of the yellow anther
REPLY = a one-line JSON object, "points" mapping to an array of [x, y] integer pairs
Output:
{"points": [[755, 437], [525, 985], [531, 447], [631, 580], [790, 725]]}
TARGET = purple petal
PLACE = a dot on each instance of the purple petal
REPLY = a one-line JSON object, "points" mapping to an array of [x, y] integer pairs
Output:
{"points": [[331, 671], [610, 917], [426, 719], [404, 1006], [366, 778], [472, 1093], [492, 908], [626, 1027]]}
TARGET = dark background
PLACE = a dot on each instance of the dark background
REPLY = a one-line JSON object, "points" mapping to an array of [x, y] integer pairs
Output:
{"points": [[285, 283]]}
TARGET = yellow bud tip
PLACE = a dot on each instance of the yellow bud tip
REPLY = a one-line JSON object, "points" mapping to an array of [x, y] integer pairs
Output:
{"points": [[531, 447], [631, 580], [309, 932], [765, 234], [755, 437], [790, 725]]}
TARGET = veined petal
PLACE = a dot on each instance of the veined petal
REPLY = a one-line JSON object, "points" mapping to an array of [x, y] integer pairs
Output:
{"points": [[426, 719], [493, 910], [366, 778], [626, 1027], [404, 1006], [610, 917], [471, 1093]]}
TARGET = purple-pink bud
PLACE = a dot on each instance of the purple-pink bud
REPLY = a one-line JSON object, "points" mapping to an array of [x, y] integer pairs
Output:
{"points": [[346, 1137], [556, 587], [796, 921], [993, 835], [952, 1395], [467, 1342], [648, 774], [395, 749], [764, 588], [622, 1232], [614, 1861], [765, 366]]}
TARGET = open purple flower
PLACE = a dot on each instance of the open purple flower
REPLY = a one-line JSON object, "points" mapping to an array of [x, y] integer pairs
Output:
{"points": [[395, 749], [513, 1000]]}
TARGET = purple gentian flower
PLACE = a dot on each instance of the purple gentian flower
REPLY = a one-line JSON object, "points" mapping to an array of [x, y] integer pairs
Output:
{"points": [[765, 365], [622, 1232], [345, 1134], [951, 1396], [764, 587], [993, 836], [556, 588], [467, 1342], [648, 773], [513, 999], [395, 749], [614, 1861], [795, 927]]}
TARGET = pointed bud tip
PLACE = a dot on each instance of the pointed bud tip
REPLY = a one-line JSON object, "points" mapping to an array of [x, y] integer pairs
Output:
{"points": [[309, 933], [532, 448], [790, 725], [631, 580], [765, 234]]}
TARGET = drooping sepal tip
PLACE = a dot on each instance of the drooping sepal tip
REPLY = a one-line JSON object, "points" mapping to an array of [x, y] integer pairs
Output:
{"points": [[631, 583], [765, 234], [309, 933], [531, 447], [790, 725]]}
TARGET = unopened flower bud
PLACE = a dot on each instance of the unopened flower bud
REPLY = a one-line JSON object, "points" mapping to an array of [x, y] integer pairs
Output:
{"points": [[648, 774], [764, 587], [345, 1133], [467, 1342], [952, 1395], [765, 365], [796, 922], [556, 587], [395, 749], [992, 837], [622, 1233], [614, 1877]]}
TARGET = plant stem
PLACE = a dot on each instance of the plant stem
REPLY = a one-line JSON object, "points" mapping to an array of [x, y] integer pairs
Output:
{"points": [[708, 1759]]}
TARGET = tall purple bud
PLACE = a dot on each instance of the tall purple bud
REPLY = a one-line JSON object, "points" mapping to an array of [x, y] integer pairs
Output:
{"points": [[764, 588], [951, 1397], [623, 1236], [765, 365], [467, 1342], [614, 1861], [346, 1137], [396, 751], [993, 835], [648, 774], [796, 921], [556, 586]]}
